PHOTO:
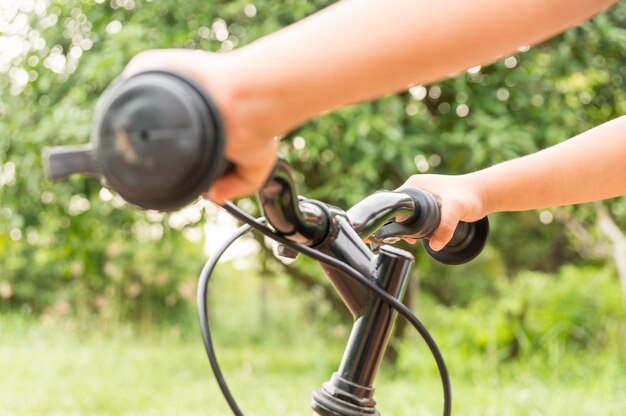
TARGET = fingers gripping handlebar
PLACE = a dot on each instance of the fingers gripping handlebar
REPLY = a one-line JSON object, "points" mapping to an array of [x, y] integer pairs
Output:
{"points": [[374, 218], [307, 221]]}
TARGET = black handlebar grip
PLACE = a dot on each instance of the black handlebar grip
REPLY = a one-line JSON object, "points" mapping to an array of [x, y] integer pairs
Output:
{"points": [[158, 140], [467, 242], [468, 239]]}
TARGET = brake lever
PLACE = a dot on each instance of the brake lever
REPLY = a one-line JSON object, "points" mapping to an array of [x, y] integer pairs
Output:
{"points": [[421, 224], [468, 240]]}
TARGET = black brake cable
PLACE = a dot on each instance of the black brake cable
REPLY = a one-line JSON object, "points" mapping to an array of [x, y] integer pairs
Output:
{"points": [[316, 255], [203, 313]]}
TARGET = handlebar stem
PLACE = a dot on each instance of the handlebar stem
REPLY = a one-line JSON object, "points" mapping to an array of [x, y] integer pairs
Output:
{"points": [[344, 244], [334, 232], [390, 270], [350, 390]]}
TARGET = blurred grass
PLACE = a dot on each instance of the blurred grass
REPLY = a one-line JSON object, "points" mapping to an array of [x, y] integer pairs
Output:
{"points": [[274, 354], [48, 368]]}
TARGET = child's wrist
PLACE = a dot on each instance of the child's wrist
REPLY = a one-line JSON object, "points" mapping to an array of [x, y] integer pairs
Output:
{"points": [[249, 112], [250, 106], [479, 186]]}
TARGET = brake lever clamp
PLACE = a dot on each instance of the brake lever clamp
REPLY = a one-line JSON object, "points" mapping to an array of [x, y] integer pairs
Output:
{"points": [[376, 242]]}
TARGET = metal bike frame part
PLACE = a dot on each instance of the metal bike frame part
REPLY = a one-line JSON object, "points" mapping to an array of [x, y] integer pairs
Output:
{"points": [[350, 390]]}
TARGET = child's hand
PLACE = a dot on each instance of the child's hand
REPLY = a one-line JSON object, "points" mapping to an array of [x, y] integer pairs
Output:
{"points": [[460, 197], [250, 140]]}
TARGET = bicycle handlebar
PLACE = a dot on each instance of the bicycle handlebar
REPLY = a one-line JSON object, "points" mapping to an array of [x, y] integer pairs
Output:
{"points": [[158, 141], [374, 218], [306, 221]]}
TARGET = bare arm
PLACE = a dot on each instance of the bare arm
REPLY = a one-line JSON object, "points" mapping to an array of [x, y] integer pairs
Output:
{"points": [[361, 49], [588, 167], [352, 51]]}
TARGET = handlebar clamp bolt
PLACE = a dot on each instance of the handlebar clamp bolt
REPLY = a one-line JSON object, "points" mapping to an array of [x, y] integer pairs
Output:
{"points": [[285, 252]]}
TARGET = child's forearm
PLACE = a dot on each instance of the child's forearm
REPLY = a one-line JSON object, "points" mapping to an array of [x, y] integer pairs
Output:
{"points": [[588, 167], [360, 49], [352, 51]]}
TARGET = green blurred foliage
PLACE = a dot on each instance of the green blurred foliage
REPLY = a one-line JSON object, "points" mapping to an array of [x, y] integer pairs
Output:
{"points": [[517, 105], [577, 308], [74, 247]]}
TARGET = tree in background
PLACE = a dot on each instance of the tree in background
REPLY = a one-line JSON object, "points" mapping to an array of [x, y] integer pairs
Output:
{"points": [[75, 246]]}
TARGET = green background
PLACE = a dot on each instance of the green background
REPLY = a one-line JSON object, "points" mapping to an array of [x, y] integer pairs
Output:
{"points": [[97, 311]]}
